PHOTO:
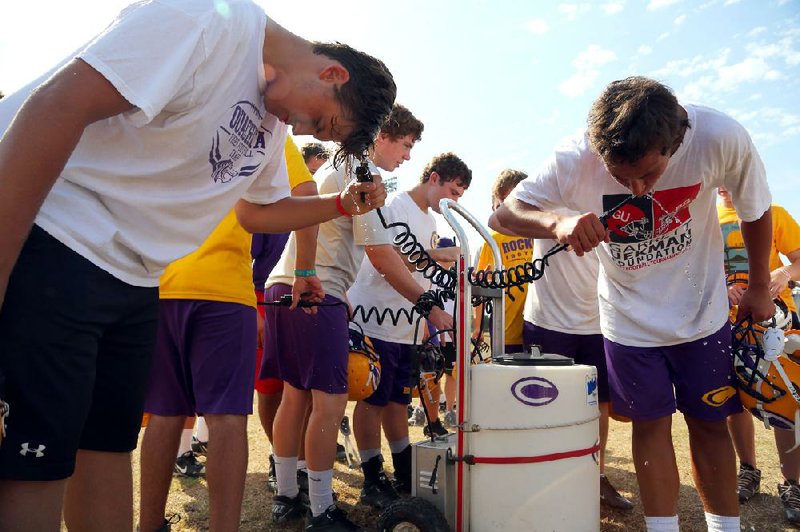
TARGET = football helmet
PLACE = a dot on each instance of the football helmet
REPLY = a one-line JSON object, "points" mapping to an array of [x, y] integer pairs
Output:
{"points": [[363, 367], [767, 368]]}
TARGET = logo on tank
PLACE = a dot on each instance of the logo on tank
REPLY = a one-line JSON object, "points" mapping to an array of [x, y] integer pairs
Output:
{"points": [[591, 389], [534, 391], [238, 147]]}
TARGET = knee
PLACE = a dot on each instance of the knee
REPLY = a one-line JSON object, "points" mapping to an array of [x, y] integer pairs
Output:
{"points": [[226, 423], [707, 430]]}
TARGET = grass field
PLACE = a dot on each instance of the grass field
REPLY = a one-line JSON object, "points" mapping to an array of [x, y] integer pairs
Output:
{"points": [[188, 497]]}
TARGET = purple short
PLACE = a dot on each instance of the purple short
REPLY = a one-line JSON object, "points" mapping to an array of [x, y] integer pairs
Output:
{"points": [[583, 348], [649, 382], [204, 361], [396, 378], [309, 351]]}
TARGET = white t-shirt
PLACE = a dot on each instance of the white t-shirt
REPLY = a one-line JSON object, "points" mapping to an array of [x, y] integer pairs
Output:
{"points": [[340, 242], [565, 298], [372, 290], [661, 276], [147, 187]]}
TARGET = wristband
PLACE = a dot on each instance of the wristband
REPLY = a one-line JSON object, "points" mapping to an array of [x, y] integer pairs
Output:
{"points": [[340, 207], [305, 273]]}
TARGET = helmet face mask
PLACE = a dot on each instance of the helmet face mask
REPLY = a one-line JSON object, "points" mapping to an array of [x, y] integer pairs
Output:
{"points": [[768, 385]]}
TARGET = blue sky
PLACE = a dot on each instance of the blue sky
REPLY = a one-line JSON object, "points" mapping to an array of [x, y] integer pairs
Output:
{"points": [[501, 82]]}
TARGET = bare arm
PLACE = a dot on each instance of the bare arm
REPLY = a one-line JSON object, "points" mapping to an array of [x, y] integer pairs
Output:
{"points": [[780, 277], [294, 213], [582, 232], [756, 299], [392, 267], [54, 116], [306, 255]]}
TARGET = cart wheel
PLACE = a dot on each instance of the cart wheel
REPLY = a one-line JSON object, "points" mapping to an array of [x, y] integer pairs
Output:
{"points": [[412, 515]]}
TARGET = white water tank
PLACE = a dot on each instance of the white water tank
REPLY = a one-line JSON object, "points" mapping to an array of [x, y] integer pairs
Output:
{"points": [[536, 453]]}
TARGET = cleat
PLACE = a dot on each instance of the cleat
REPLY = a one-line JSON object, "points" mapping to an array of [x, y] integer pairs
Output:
{"points": [[331, 520], [609, 496], [285, 509], [417, 418], [199, 447], [437, 428], [789, 493], [748, 482], [187, 466]]}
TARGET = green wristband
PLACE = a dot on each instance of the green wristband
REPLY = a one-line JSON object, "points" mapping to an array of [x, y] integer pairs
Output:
{"points": [[305, 273]]}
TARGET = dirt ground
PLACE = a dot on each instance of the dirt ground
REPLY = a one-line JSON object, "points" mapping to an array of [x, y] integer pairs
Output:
{"points": [[188, 497]]}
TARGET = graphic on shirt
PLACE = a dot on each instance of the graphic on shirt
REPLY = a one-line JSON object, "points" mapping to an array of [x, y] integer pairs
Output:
{"points": [[735, 253], [518, 249], [650, 229], [238, 142]]}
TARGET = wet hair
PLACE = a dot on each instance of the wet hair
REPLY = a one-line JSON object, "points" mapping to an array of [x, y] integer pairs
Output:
{"points": [[450, 168], [401, 123], [505, 183], [633, 116], [366, 98], [314, 150]]}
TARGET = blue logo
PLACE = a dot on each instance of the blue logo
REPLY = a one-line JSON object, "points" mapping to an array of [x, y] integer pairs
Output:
{"points": [[591, 386], [534, 391]]}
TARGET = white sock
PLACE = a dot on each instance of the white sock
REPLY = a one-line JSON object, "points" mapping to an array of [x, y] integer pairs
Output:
{"points": [[301, 465], [286, 474], [367, 454], [722, 523], [399, 445], [186, 442], [201, 429], [662, 524], [320, 494]]}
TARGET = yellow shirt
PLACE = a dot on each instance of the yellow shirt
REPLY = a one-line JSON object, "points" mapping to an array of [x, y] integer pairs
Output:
{"points": [[221, 269], [785, 239], [514, 250]]}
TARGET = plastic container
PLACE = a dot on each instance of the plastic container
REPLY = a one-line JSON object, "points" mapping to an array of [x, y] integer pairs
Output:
{"points": [[537, 451]]}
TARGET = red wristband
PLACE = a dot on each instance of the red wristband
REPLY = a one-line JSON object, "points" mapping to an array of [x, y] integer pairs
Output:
{"points": [[340, 207]]}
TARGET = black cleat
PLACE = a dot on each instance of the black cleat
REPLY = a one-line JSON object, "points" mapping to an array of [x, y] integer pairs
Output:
{"points": [[285, 509], [331, 520]]}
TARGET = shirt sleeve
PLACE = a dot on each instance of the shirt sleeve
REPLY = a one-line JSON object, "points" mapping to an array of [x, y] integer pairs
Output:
{"points": [[150, 54], [295, 165], [745, 177], [787, 231]]}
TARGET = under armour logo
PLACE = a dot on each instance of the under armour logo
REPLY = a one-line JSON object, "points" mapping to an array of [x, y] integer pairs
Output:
{"points": [[26, 450]]}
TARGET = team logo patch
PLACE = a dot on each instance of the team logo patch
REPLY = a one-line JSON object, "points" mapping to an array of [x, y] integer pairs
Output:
{"points": [[719, 396], [534, 391]]}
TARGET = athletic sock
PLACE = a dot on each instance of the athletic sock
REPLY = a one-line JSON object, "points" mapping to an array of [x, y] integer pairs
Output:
{"points": [[201, 429], [320, 494], [186, 442], [662, 524], [722, 523], [399, 445], [286, 474], [368, 454], [301, 465]]}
